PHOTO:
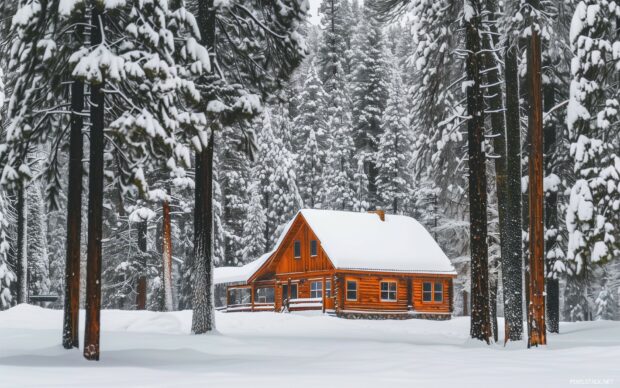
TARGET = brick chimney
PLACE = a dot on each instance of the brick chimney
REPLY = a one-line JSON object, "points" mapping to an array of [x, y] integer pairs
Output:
{"points": [[380, 213]]}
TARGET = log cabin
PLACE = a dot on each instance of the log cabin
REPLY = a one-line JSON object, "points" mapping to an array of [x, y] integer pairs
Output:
{"points": [[348, 264]]}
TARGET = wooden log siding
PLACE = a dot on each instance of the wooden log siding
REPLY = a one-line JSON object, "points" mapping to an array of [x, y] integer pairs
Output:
{"points": [[283, 269]]}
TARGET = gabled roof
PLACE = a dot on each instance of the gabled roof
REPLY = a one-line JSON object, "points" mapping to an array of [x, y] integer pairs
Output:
{"points": [[361, 242]]}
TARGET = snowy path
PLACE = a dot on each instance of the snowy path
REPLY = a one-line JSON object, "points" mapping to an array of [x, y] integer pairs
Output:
{"points": [[146, 349]]}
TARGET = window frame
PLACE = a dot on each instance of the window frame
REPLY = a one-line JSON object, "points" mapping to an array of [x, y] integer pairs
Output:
{"points": [[315, 244], [395, 291], [347, 290], [429, 292], [296, 249], [434, 291], [319, 290]]}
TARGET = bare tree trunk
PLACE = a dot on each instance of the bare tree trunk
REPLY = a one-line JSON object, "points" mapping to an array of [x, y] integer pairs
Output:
{"points": [[512, 262], [480, 319], [141, 289], [203, 318], [70, 335], [22, 245], [536, 313], [167, 257], [95, 202]]}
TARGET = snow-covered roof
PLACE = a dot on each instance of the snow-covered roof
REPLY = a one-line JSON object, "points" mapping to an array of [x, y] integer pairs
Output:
{"points": [[238, 274], [361, 241]]}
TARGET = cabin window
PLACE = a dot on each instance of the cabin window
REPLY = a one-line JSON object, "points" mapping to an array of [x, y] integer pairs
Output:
{"points": [[328, 288], [427, 291], [314, 248], [351, 290], [264, 295], [438, 294], [316, 289], [297, 249], [388, 291], [293, 291], [239, 296]]}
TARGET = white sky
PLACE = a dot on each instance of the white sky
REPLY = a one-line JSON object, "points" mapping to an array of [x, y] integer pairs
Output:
{"points": [[314, 11]]}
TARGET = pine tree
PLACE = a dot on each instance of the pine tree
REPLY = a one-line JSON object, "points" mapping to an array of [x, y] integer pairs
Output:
{"points": [[394, 186], [369, 94], [38, 259], [253, 240], [310, 130], [232, 177], [281, 197], [592, 120]]}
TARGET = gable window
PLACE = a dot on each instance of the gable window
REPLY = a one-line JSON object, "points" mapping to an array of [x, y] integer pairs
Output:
{"points": [[427, 292], [316, 289], [438, 294], [328, 288], [314, 248], [388, 291], [351, 290], [297, 249]]}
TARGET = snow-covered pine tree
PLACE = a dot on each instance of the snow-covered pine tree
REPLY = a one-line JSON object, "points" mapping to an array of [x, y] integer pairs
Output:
{"points": [[310, 130], [593, 214], [38, 259], [335, 45], [394, 179], [276, 174], [7, 276], [370, 80], [232, 177], [253, 240]]}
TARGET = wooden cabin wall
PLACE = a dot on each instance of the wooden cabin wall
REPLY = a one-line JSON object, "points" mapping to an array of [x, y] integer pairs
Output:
{"points": [[288, 264]]}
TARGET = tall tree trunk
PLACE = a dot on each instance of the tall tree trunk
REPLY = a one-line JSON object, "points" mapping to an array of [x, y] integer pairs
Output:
{"points": [[493, 306], [22, 245], [95, 202], [203, 318], [536, 313], [480, 320], [70, 335], [167, 257], [551, 217], [141, 290], [512, 262]]}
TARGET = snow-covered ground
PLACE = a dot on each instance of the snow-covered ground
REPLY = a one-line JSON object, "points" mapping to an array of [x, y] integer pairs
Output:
{"points": [[147, 349]]}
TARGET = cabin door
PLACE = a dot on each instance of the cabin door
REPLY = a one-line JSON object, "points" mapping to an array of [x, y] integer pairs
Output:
{"points": [[284, 293]]}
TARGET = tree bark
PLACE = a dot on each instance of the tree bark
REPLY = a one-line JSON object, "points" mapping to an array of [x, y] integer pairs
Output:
{"points": [[536, 307], [22, 245], [512, 262], [203, 318], [167, 257], [141, 289], [95, 202], [480, 319], [70, 335]]}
